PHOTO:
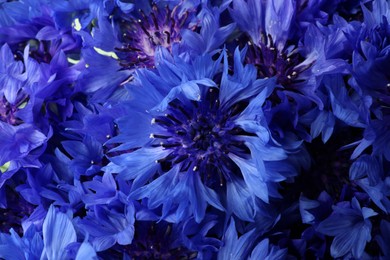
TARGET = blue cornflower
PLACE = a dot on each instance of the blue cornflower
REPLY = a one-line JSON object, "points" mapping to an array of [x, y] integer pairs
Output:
{"points": [[86, 154], [265, 250], [141, 34], [32, 95], [199, 138], [30, 246], [108, 224], [199, 237], [20, 138], [95, 121], [128, 40], [314, 211], [245, 246], [78, 14], [43, 36], [164, 240], [384, 237], [100, 191], [58, 232], [379, 192], [370, 77], [57, 240], [37, 82], [125, 41], [212, 34], [298, 65], [369, 172], [350, 225], [234, 247], [14, 210]]}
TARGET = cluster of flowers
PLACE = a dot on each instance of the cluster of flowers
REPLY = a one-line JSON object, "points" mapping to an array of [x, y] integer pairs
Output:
{"points": [[197, 129]]}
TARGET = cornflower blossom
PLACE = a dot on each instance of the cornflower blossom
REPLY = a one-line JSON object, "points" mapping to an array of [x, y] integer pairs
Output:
{"points": [[195, 132]]}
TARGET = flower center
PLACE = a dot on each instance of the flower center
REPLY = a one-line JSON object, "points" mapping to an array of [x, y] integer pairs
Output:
{"points": [[8, 111], [154, 241], [141, 37], [199, 136], [17, 209], [40, 51], [271, 62]]}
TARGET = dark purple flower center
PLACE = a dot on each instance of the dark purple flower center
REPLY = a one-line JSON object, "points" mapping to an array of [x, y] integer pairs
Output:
{"points": [[200, 135], [271, 62], [8, 111], [154, 241], [39, 51], [141, 37], [17, 209]]}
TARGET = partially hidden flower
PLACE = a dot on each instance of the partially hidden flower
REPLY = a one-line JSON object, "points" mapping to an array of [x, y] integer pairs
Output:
{"points": [[350, 225]]}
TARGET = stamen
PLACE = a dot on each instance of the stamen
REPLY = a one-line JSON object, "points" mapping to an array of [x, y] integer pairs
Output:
{"points": [[173, 118], [169, 145], [181, 159], [159, 136], [168, 36], [155, 19], [180, 132], [181, 109], [183, 19]]}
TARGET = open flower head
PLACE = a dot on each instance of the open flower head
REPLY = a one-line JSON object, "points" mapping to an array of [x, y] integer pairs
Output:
{"points": [[196, 135]]}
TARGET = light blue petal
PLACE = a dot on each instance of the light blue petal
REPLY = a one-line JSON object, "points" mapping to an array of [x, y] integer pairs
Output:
{"points": [[196, 196], [140, 161], [159, 190], [342, 244], [336, 224], [367, 213], [249, 15], [377, 193], [324, 123], [58, 232], [305, 205], [240, 200], [135, 130], [190, 89], [193, 40], [278, 18], [103, 243], [125, 7], [86, 252], [261, 250], [366, 165], [230, 239], [234, 247], [252, 177], [210, 195]]}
